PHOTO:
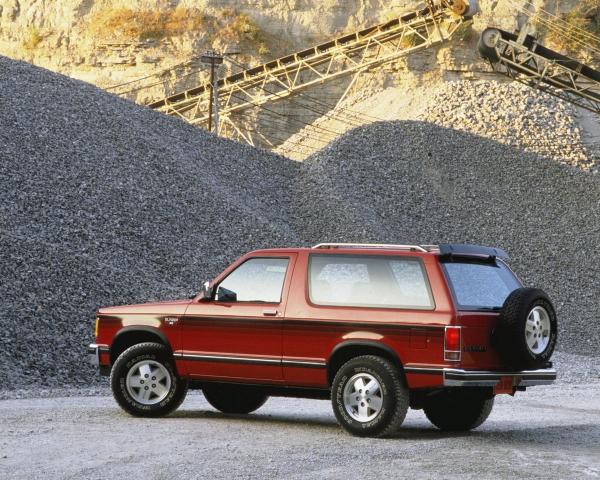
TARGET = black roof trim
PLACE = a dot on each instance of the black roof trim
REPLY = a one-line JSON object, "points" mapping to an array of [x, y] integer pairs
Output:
{"points": [[473, 251]]}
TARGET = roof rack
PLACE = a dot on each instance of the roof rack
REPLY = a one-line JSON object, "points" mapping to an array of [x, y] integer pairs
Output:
{"points": [[412, 248]]}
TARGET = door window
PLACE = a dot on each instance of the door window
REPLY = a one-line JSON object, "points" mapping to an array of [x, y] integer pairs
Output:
{"points": [[255, 280]]}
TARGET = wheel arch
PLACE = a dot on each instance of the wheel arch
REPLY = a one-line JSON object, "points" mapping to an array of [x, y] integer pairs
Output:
{"points": [[349, 349], [134, 334]]}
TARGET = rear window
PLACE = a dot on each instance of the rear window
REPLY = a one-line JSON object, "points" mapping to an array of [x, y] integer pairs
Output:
{"points": [[369, 281], [480, 286]]}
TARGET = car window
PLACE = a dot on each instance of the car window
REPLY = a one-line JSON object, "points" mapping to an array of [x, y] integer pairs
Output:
{"points": [[256, 280], [369, 281], [480, 286]]}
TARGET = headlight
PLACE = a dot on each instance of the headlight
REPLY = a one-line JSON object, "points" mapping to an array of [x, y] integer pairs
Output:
{"points": [[96, 328]]}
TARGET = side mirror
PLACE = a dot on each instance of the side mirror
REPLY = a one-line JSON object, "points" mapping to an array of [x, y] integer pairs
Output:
{"points": [[225, 295], [206, 291]]}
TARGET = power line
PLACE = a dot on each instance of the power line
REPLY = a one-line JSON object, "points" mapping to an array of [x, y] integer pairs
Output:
{"points": [[280, 139], [566, 24], [161, 82], [313, 99], [154, 74], [566, 33], [565, 29], [283, 140], [320, 112], [262, 107], [281, 124]]}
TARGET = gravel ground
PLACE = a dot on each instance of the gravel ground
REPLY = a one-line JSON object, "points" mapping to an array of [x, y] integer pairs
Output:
{"points": [[104, 202], [546, 433]]}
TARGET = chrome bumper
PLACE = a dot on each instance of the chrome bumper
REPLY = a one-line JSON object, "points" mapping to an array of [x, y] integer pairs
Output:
{"points": [[454, 377], [94, 354]]}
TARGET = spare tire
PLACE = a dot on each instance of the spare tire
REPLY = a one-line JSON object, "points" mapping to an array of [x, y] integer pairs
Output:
{"points": [[526, 332]]}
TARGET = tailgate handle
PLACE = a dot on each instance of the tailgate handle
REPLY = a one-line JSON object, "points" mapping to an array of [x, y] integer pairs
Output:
{"points": [[270, 313]]}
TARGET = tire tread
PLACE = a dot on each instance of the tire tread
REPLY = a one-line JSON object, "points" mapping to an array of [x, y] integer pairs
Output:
{"points": [[139, 348], [400, 392]]}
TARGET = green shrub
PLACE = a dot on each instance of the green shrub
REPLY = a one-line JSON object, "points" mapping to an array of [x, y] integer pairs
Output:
{"points": [[235, 27], [129, 24], [33, 38]]}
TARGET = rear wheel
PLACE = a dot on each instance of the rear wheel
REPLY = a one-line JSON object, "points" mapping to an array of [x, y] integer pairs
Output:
{"points": [[144, 381], [369, 396], [458, 409], [234, 398]]}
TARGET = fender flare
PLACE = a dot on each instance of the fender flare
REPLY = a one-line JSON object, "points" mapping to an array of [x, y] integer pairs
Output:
{"points": [[140, 328], [364, 343]]}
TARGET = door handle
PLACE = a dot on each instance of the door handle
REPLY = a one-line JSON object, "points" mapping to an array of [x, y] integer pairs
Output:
{"points": [[270, 313]]}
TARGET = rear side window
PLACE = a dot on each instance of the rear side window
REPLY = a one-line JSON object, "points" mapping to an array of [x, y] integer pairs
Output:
{"points": [[369, 281], [256, 280], [480, 286]]}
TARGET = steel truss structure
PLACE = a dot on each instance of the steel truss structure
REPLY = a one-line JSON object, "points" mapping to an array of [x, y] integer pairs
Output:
{"points": [[525, 60], [286, 76]]}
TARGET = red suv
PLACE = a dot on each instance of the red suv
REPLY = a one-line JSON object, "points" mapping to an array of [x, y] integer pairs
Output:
{"points": [[375, 328]]}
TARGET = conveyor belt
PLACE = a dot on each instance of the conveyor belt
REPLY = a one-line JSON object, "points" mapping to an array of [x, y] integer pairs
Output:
{"points": [[542, 68]]}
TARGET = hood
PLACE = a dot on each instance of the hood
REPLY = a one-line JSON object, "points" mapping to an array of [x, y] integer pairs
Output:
{"points": [[166, 307]]}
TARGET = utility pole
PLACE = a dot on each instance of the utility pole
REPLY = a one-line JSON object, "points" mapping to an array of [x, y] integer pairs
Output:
{"points": [[214, 59]]}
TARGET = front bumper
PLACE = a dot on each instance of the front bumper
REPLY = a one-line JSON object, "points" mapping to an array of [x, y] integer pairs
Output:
{"points": [[94, 354], [454, 377], [94, 350]]}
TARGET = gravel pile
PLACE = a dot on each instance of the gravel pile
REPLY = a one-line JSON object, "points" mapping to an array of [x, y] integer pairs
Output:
{"points": [[413, 182], [512, 114], [103, 203]]}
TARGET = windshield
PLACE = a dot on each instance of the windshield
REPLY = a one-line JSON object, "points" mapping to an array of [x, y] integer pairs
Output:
{"points": [[479, 286]]}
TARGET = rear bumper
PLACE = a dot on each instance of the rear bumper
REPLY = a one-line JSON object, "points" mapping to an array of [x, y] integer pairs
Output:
{"points": [[454, 377]]}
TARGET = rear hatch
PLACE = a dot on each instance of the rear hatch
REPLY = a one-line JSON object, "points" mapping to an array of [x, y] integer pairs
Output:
{"points": [[479, 286]]}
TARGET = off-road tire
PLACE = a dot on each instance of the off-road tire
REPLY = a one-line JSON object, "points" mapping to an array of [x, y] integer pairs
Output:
{"points": [[137, 353], [395, 396], [509, 335], [234, 399], [458, 409]]}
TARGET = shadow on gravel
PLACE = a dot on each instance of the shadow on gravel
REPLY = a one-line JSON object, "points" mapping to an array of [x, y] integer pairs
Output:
{"points": [[324, 421], [565, 435]]}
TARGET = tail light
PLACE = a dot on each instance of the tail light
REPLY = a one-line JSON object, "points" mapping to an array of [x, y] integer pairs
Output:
{"points": [[96, 328], [452, 343]]}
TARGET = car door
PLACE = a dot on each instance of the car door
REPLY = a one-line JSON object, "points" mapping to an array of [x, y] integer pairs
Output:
{"points": [[237, 335]]}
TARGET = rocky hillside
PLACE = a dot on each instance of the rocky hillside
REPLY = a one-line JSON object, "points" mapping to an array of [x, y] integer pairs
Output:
{"points": [[144, 49], [109, 42]]}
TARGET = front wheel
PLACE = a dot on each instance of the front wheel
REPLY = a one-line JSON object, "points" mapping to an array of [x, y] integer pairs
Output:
{"points": [[458, 409], [369, 396], [144, 381]]}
